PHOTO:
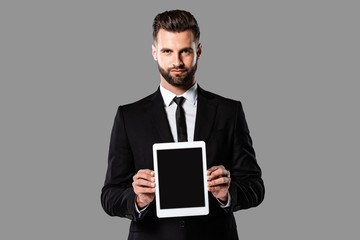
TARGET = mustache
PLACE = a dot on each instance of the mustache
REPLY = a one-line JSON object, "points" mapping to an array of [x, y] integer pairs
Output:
{"points": [[177, 68]]}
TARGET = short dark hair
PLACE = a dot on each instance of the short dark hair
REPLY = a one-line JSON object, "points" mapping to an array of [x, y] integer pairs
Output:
{"points": [[176, 21]]}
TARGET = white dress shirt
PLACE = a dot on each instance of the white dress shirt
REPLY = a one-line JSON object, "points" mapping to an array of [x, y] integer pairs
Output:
{"points": [[189, 105]]}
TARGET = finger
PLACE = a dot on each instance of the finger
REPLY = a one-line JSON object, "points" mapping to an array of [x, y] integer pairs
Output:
{"points": [[144, 177], [146, 171], [214, 168], [141, 190], [144, 183], [144, 174], [220, 172], [223, 173], [217, 188], [219, 181]]}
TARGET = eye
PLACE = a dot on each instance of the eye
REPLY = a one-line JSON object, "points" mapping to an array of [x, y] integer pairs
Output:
{"points": [[166, 51], [186, 51]]}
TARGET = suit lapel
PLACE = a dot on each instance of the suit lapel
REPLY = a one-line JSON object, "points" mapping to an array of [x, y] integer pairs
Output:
{"points": [[205, 116], [158, 117]]}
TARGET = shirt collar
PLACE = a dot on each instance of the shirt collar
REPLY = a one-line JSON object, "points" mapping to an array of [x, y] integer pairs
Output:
{"points": [[190, 95]]}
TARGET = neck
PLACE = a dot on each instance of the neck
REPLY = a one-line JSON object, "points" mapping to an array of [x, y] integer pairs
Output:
{"points": [[177, 90]]}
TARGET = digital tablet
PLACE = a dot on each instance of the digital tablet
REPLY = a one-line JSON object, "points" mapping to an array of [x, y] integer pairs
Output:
{"points": [[181, 179]]}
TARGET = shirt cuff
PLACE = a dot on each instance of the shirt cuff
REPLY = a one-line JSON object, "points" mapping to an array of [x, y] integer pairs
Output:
{"points": [[222, 205], [141, 210]]}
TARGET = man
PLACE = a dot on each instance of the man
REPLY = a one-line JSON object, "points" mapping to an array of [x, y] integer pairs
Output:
{"points": [[234, 177]]}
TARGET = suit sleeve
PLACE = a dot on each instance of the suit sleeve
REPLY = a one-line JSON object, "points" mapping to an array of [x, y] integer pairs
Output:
{"points": [[117, 195], [247, 187]]}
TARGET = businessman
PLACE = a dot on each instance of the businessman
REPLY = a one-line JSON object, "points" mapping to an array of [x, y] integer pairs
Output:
{"points": [[180, 110]]}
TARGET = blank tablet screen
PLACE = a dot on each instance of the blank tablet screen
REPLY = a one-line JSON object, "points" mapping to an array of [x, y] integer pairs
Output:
{"points": [[181, 180]]}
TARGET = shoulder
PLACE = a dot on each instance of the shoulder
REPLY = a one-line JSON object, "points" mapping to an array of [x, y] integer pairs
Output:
{"points": [[139, 105], [218, 99]]}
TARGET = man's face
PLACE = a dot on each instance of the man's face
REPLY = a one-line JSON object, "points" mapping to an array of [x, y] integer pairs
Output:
{"points": [[176, 54]]}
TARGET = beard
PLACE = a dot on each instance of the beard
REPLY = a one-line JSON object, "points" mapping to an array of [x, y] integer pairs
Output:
{"points": [[179, 80]]}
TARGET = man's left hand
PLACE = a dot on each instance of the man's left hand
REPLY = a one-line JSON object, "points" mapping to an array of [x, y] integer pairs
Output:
{"points": [[219, 182]]}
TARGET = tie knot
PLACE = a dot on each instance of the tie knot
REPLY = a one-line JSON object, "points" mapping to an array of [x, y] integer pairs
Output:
{"points": [[179, 100]]}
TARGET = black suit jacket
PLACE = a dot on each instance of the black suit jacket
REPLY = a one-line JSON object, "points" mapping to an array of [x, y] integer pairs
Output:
{"points": [[220, 122]]}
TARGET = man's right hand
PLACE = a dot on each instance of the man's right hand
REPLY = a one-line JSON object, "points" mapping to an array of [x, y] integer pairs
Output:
{"points": [[144, 187]]}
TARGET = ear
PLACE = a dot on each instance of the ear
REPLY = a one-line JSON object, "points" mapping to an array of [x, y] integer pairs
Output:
{"points": [[198, 51], [154, 52]]}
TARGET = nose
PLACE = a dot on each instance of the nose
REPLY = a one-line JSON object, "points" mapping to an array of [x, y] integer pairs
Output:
{"points": [[177, 62]]}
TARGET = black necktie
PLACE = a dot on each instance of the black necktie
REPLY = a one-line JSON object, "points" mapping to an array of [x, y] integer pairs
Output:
{"points": [[180, 120]]}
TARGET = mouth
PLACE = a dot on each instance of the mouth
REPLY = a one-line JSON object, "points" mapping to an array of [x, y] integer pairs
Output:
{"points": [[178, 71]]}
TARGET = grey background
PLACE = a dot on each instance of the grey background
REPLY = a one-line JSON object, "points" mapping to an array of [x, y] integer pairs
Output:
{"points": [[66, 66]]}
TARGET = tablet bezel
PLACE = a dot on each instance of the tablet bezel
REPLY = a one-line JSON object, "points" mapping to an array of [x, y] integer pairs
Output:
{"points": [[182, 211]]}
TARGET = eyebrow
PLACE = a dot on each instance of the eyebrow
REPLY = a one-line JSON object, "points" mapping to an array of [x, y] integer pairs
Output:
{"points": [[168, 49], [165, 49]]}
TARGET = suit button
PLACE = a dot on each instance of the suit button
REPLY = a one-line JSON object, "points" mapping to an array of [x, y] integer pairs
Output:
{"points": [[181, 224]]}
